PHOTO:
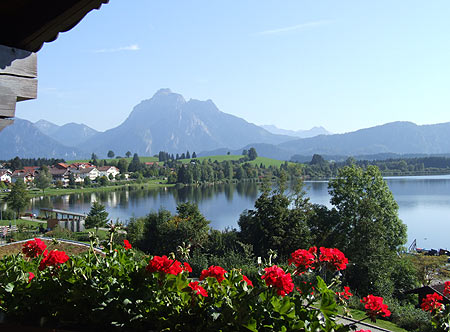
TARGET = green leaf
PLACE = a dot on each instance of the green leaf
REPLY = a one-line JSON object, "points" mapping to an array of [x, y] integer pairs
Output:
{"points": [[9, 287], [251, 325]]}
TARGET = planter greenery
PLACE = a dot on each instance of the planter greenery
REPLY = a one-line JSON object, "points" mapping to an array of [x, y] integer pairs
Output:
{"points": [[124, 290]]}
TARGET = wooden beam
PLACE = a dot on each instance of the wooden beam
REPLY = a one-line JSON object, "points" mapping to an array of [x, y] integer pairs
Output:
{"points": [[24, 88], [18, 72], [7, 105], [17, 62]]}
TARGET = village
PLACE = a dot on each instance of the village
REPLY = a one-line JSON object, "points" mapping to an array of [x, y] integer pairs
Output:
{"points": [[62, 174]]}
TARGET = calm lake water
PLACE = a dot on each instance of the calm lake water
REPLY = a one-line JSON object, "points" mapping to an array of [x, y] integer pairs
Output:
{"points": [[424, 203]]}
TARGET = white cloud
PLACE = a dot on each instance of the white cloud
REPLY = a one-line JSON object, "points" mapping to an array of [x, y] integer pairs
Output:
{"points": [[302, 26], [133, 47]]}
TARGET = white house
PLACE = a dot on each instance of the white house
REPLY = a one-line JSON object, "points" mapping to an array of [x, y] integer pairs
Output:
{"points": [[107, 170], [90, 172]]}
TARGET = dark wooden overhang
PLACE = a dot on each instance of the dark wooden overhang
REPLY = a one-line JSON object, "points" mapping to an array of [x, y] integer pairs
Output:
{"points": [[25, 25], [28, 24]]}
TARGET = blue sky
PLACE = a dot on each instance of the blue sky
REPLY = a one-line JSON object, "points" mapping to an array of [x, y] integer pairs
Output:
{"points": [[343, 65]]}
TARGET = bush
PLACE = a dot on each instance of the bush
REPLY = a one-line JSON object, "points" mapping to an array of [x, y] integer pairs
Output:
{"points": [[8, 214], [410, 318]]}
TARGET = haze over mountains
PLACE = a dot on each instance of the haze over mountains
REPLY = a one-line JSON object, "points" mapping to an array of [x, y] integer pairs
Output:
{"points": [[167, 122], [314, 131]]}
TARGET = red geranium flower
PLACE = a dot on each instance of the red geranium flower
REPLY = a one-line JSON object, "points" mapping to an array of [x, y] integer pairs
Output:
{"points": [[430, 302], [447, 288], [187, 267], [363, 331], [33, 248], [247, 280], [375, 306], [214, 272], [333, 257], [277, 278], [304, 259], [345, 294], [199, 290], [165, 265], [126, 244], [53, 258], [30, 276]]}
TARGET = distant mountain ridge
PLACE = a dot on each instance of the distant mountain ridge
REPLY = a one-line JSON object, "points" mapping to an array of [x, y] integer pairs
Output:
{"points": [[314, 131], [70, 134], [167, 122], [25, 140]]}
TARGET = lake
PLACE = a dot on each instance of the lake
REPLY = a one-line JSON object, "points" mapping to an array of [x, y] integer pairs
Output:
{"points": [[424, 203]]}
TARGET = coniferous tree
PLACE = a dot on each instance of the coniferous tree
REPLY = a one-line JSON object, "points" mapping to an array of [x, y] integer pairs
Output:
{"points": [[97, 217]]}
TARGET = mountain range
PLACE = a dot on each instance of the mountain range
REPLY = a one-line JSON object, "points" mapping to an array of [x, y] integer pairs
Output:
{"points": [[314, 131], [167, 122]]}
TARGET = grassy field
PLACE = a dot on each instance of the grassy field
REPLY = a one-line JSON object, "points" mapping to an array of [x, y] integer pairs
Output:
{"points": [[66, 191], [357, 315], [259, 160], [27, 223]]}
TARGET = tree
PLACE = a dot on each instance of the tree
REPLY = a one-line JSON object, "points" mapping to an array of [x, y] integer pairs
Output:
{"points": [[252, 154], [128, 154], [111, 154], [71, 180], [164, 232], [17, 199], [87, 181], [278, 222], [369, 230], [135, 164], [97, 217], [44, 179], [103, 181], [122, 165], [194, 155], [245, 152], [188, 155]]}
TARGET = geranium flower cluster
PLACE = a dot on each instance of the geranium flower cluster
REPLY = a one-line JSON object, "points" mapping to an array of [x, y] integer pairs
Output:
{"points": [[247, 280], [34, 248], [431, 302], [304, 259], [345, 294], [167, 266], [447, 288], [214, 272], [278, 279], [375, 306], [53, 258], [332, 258], [197, 289], [126, 244]]}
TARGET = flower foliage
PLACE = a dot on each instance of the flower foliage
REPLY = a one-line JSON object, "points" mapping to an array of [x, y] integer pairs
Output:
{"points": [[431, 303], [53, 258], [197, 289], [34, 248], [127, 244], [345, 294], [304, 259], [447, 288], [214, 272], [374, 307], [124, 291], [166, 265], [334, 258], [278, 279]]}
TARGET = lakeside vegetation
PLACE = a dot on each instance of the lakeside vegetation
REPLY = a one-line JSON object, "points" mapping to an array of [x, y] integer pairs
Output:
{"points": [[280, 224]]}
